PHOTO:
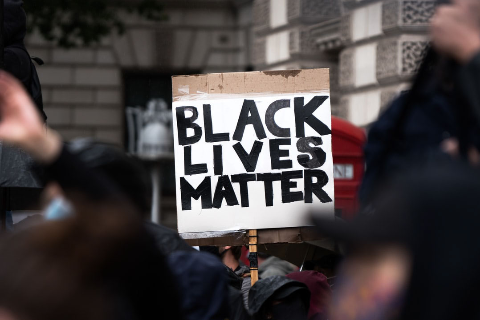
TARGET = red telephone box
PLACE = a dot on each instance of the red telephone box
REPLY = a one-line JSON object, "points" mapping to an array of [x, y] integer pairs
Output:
{"points": [[348, 166]]}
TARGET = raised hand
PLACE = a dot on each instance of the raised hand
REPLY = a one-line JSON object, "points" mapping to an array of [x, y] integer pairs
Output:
{"points": [[455, 29], [20, 123]]}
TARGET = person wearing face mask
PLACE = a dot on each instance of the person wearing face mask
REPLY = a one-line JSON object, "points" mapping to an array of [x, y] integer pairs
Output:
{"points": [[279, 298], [98, 264], [54, 204], [128, 174]]}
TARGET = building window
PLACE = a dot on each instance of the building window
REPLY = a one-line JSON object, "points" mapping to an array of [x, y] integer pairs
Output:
{"points": [[367, 22], [278, 47], [365, 65], [140, 88], [364, 107], [278, 13]]}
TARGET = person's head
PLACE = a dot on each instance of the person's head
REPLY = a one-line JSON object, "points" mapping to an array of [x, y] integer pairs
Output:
{"points": [[230, 255], [127, 173], [98, 264], [279, 298], [374, 274], [234, 251], [15, 22]]}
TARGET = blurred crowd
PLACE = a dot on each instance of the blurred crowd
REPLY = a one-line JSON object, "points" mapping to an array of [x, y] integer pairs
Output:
{"points": [[411, 253]]}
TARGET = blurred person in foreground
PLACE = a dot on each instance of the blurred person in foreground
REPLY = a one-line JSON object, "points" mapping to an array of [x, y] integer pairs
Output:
{"points": [[17, 62], [446, 108], [128, 174], [418, 257], [99, 263]]}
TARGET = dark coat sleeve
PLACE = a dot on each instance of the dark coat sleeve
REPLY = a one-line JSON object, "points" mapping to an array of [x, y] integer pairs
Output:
{"points": [[469, 84], [237, 307], [430, 120], [378, 135], [17, 63]]}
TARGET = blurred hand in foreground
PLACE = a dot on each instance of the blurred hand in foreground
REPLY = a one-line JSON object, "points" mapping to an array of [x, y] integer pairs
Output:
{"points": [[455, 29], [21, 125]]}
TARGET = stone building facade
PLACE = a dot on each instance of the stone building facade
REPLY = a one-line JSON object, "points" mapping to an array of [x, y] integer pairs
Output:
{"points": [[384, 44], [285, 36], [372, 47]]}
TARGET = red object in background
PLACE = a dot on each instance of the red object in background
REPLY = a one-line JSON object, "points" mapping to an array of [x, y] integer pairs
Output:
{"points": [[244, 256], [348, 166], [348, 162]]}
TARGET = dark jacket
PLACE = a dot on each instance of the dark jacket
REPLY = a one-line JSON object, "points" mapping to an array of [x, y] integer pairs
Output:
{"points": [[272, 288], [17, 59], [238, 309], [443, 208], [167, 240], [202, 283], [244, 272], [445, 205], [432, 119]]}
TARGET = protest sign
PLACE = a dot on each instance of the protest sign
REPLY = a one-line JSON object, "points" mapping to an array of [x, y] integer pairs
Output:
{"points": [[252, 150]]}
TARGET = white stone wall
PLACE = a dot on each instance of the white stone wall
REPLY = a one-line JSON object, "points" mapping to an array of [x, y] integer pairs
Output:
{"points": [[384, 44], [367, 21], [83, 88]]}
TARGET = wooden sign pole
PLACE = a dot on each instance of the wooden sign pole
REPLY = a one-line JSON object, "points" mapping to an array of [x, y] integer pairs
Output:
{"points": [[253, 257]]}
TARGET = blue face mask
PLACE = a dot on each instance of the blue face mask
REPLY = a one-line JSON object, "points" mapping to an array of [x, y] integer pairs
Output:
{"points": [[58, 209]]}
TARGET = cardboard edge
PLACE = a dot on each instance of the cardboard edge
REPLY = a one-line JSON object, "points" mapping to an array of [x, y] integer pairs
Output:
{"points": [[265, 236], [209, 86]]}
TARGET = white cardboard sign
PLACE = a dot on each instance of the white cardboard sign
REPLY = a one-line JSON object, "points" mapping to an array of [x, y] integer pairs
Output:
{"points": [[252, 163]]}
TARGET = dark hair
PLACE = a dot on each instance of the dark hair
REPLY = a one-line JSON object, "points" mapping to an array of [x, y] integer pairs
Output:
{"points": [[263, 255], [126, 172], [237, 252], [96, 265]]}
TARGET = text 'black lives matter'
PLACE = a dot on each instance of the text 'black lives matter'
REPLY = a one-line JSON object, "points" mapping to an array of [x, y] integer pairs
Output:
{"points": [[312, 157]]}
